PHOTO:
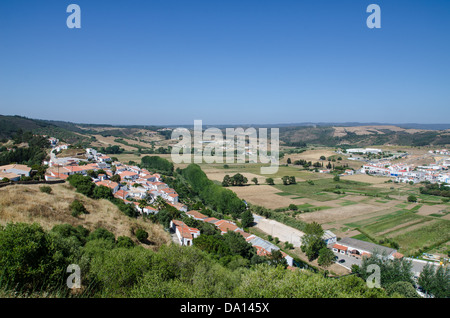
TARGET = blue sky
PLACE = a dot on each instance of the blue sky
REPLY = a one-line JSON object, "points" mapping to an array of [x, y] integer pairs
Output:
{"points": [[226, 61]]}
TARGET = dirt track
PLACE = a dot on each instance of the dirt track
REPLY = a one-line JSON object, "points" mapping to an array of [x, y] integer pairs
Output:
{"points": [[276, 229]]}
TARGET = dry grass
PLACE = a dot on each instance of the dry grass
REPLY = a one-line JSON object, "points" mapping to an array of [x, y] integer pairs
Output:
{"points": [[309, 155], [26, 203], [340, 213], [265, 195], [367, 179], [370, 130]]}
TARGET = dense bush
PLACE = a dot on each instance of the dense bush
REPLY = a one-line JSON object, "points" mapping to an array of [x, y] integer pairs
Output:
{"points": [[77, 208], [36, 260], [220, 199], [46, 189], [158, 164]]}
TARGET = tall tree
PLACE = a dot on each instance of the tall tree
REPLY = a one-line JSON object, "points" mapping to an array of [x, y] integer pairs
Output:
{"points": [[247, 219]]}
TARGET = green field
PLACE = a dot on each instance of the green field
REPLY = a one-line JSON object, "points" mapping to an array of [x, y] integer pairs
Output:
{"points": [[326, 189], [411, 231]]}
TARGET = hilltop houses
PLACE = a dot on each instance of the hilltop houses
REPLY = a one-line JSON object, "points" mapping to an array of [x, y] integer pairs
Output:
{"points": [[263, 247], [184, 233], [14, 171]]}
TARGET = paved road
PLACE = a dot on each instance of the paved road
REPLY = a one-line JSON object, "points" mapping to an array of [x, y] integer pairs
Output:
{"points": [[417, 265], [276, 229]]}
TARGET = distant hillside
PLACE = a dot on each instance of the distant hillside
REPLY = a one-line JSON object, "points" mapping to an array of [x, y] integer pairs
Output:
{"points": [[10, 125], [362, 136], [322, 134]]}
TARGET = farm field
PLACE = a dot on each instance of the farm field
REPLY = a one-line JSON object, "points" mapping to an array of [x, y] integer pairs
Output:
{"points": [[360, 206]]}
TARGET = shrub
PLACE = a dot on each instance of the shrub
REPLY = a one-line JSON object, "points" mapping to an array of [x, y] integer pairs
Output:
{"points": [[102, 233], [77, 208], [46, 189], [141, 235]]}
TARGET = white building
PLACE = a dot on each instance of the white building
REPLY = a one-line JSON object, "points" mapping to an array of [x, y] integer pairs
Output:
{"points": [[364, 151], [184, 233]]}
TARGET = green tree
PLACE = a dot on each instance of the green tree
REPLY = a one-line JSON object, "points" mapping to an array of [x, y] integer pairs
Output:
{"points": [[102, 233], [247, 219], [435, 281], [238, 180], [26, 256], [412, 198], [285, 180], [125, 241], [391, 271], [312, 241], [102, 192], [326, 257], [116, 178], [292, 180], [83, 184], [405, 289], [270, 181], [238, 245], [275, 258], [255, 180], [226, 181]]}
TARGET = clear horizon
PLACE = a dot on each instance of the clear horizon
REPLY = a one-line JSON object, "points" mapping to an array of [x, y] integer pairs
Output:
{"points": [[242, 62]]}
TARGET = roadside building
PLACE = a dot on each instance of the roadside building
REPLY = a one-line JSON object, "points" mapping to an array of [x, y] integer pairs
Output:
{"points": [[329, 237], [357, 248], [184, 233], [265, 248]]}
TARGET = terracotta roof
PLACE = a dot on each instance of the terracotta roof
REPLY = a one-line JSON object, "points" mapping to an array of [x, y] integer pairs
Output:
{"points": [[226, 226], [8, 175], [340, 247], [185, 231], [127, 173], [397, 255], [211, 220], [107, 183], [244, 234], [196, 214], [261, 251], [121, 194], [15, 166]]}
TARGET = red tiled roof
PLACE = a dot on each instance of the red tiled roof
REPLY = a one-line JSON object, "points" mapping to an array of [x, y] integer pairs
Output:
{"points": [[340, 247], [226, 226], [127, 173], [261, 251], [398, 255], [107, 183], [196, 214], [185, 231], [210, 220]]}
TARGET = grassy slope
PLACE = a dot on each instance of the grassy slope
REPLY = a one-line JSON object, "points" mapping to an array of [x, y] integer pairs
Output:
{"points": [[26, 203]]}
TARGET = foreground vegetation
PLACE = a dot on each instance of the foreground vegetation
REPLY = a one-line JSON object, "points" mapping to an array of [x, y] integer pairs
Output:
{"points": [[34, 261]]}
